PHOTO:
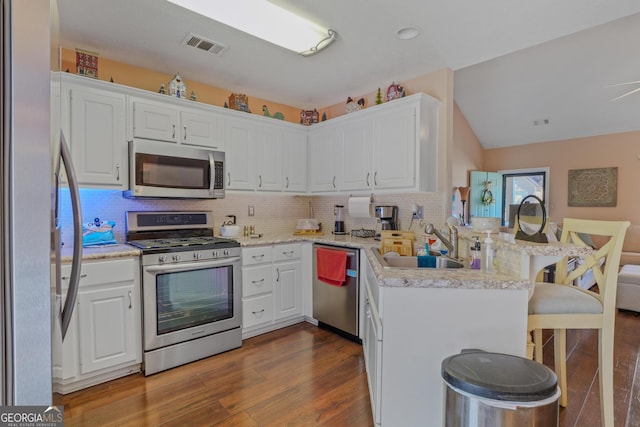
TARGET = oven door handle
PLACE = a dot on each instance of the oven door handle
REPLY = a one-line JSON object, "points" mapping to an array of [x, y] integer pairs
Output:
{"points": [[190, 265]]}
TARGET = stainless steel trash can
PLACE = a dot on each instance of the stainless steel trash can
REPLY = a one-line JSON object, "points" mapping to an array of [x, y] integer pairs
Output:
{"points": [[498, 390]]}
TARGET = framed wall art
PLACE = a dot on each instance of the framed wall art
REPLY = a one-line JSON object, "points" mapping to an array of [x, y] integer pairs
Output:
{"points": [[593, 187]]}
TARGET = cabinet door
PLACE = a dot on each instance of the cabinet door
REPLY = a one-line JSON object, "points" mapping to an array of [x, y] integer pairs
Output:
{"points": [[325, 160], [202, 129], [295, 160], [372, 348], [394, 148], [97, 138], [155, 121], [287, 300], [268, 158], [356, 144], [107, 327], [240, 154]]}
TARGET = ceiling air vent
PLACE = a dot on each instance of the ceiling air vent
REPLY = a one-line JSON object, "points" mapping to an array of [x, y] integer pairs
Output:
{"points": [[201, 43]]}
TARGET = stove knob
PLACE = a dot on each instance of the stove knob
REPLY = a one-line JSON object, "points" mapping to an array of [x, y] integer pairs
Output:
{"points": [[227, 252], [162, 258], [197, 255], [176, 257], [215, 254]]}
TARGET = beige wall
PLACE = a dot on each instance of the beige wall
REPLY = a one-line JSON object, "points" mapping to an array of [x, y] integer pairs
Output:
{"points": [[621, 150], [142, 78]]}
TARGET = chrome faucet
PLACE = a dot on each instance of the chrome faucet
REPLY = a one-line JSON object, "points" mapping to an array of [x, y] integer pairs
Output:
{"points": [[451, 245]]}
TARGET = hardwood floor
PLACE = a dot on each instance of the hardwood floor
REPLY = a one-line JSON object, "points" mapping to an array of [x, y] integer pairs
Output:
{"points": [[305, 376]]}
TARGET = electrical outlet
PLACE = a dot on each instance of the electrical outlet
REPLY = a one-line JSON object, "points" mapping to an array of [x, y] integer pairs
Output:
{"points": [[418, 213], [252, 210]]}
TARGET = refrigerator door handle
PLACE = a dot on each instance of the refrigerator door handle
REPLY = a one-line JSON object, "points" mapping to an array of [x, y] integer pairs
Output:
{"points": [[74, 281]]}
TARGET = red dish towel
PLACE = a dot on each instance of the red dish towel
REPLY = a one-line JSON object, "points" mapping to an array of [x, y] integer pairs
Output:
{"points": [[331, 266]]}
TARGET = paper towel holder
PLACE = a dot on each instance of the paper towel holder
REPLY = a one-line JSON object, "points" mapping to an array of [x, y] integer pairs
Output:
{"points": [[370, 197]]}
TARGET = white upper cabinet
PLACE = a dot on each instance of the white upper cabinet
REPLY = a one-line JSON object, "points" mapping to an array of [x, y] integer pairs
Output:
{"points": [[294, 160], [356, 140], [269, 158], [324, 159], [265, 155], [392, 146], [165, 121], [94, 122], [240, 154]]}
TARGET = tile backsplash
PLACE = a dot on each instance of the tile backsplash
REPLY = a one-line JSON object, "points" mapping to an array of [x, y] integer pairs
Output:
{"points": [[274, 213]]}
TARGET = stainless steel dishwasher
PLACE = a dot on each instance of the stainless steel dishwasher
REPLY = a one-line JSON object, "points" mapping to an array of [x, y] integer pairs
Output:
{"points": [[336, 307]]}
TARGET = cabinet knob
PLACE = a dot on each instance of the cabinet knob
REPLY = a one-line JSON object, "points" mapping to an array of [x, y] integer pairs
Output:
{"points": [[174, 130], [185, 133], [117, 171], [368, 174]]}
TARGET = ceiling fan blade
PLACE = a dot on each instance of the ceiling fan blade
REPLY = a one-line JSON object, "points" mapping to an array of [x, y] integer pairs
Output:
{"points": [[623, 84], [625, 94]]}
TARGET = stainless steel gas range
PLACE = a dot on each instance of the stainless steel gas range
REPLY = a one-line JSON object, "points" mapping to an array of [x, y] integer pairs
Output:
{"points": [[191, 288]]}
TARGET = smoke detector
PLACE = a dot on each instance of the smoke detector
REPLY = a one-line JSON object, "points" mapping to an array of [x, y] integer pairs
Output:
{"points": [[204, 44]]}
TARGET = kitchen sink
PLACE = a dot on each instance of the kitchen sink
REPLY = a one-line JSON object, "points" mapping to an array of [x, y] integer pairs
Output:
{"points": [[409, 262]]}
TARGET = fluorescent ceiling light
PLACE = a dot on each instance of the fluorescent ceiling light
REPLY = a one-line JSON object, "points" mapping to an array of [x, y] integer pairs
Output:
{"points": [[267, 21]]}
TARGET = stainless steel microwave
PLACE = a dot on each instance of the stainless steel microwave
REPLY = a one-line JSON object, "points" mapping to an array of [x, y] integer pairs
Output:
{"points": [[168, 170]]}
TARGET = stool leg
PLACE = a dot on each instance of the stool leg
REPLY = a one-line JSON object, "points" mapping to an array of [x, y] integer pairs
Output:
{"points": [[560, 360]]}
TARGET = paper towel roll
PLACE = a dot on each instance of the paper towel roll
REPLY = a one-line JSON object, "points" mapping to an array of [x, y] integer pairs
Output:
{"points": [[360, 207]]}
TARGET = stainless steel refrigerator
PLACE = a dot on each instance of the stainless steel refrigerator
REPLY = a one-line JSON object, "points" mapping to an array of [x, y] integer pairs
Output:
{"points": [[31, 323]]}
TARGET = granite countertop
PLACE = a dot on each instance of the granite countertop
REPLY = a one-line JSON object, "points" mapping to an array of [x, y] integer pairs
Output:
{"points": [[101, 252], [417, 278], [420, 278]]}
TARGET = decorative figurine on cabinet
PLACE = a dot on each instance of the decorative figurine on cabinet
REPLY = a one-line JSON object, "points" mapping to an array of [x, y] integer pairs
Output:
{"points": [[353, 106], [309, 117], [277, 115], [395, 91], [177, 87]]}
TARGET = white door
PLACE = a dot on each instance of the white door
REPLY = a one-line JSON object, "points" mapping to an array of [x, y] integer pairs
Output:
{"points": [[97, 140], [155, 121], [357, 155], [287, 300], [240, 154], [294, 155], [394, 149], [107, 328], [324, 161], [203, 130], [269, 159]]}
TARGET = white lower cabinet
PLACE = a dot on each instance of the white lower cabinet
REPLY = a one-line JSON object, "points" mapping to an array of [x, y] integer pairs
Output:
{"points": [[104, 339], [271, 288], [372, 347]]}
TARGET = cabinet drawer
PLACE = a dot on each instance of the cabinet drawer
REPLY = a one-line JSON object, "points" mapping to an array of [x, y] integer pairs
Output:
{"points": [[257, 310], [257, 280], [286, 252], [94, 273], [257, 255]]}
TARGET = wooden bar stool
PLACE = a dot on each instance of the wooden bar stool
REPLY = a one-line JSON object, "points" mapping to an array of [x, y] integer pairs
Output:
{"points": [[561, 306]]}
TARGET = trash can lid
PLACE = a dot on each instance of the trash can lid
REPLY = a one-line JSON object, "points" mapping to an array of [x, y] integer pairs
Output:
{"points": [[499, 376]]}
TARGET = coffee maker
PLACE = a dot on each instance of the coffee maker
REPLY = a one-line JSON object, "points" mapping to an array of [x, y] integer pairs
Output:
{"points": [[388, 216], [338, 227]]}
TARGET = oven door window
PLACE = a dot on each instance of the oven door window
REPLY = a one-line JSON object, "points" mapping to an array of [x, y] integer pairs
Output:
{"points": [[172, 172], [196, 297]]}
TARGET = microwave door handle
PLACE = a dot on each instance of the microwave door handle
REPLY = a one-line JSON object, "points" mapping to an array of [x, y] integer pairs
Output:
{"points": [[212, 174], [74, 281]]}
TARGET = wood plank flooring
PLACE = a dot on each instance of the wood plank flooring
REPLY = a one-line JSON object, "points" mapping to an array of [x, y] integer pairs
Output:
{"points": [[305, 376]]}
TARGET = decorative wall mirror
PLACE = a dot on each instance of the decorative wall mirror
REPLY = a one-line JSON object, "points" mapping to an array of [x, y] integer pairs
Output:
{"points": [[531, 220]]}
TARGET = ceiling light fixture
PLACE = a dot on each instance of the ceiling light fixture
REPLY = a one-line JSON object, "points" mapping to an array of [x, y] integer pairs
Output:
{"points": [[265, 20]]}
